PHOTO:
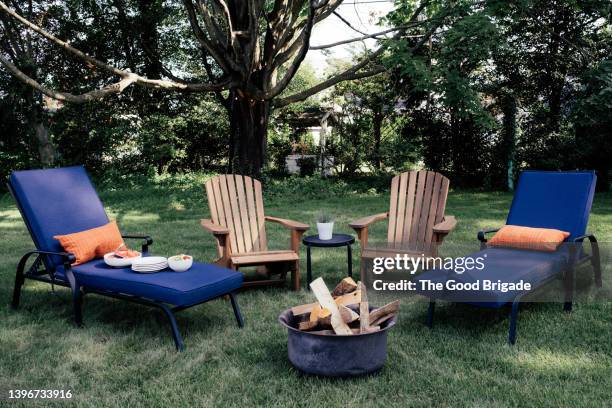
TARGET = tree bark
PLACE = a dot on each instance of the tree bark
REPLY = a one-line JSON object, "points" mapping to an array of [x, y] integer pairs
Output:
{"points": [[36, 119], [249, 130]]}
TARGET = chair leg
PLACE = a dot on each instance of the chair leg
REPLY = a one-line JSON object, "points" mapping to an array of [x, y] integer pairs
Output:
{"points": [[596, 263], [430, 313], [236, 310], [513, 317], [77, 306], [569, 283], [176, 334], [295, 276], [77, 303], [19, 281]]}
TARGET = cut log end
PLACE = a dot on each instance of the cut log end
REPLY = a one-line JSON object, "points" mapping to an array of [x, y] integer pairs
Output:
{"points": [[346, 285]]}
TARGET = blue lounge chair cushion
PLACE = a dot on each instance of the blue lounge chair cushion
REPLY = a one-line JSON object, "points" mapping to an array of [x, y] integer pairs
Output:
{"points": [[559, 200], [200, 283], [506, 265], [57, 202], [543, 199]]}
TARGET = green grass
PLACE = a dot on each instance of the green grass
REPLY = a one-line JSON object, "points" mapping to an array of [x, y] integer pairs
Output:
{"points": [[124, 356]]}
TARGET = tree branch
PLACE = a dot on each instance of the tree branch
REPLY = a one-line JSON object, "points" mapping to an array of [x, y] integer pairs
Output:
{"points": [[140, 80], [347, 75], [204, 42], [355, 39], [291, 71], [353, 72], [349, 25], [97, 94]]}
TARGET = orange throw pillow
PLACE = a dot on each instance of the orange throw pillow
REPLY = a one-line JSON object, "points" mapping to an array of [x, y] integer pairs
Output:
{"points": [[537, 239], [93, 243]]}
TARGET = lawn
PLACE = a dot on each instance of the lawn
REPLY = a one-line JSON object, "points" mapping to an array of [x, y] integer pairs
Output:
{"points": [[124, 356]]}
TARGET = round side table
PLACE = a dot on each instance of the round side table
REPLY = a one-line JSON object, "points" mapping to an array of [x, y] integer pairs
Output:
{"points": [[337, 240]]}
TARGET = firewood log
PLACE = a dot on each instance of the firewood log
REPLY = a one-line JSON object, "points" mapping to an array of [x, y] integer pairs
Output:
{"points": [[346, 285], [348, 299], [383, 319], [389, 308], [328, 332], [324, 318], [316, 311], [364, 309], [326, 300]]}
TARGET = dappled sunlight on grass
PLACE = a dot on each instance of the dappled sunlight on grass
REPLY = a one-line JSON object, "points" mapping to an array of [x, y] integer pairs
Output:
{"points": [[558, 361]]}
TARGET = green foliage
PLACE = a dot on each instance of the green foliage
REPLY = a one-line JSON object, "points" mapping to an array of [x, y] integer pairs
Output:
{"points": [[308, 166], [500, 86], [593, 121], [368, 132], [279, 147], [309, 187]]}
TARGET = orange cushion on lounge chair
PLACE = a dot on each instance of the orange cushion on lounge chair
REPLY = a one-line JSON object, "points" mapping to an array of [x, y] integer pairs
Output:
{"points": [[92, 243], [537, 239]]}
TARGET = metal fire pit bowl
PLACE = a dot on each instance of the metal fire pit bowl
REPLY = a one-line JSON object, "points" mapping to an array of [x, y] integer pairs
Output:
{"points": [[333, 355]]}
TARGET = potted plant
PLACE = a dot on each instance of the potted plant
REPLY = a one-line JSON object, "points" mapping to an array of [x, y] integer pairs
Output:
{"points": [[325, 226]]}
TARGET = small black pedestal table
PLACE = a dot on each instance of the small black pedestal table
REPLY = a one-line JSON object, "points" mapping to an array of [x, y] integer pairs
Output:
{"points": [[337, 240]]}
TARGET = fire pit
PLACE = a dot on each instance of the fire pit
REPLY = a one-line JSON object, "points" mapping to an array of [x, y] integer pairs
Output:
{"points": [[336, 355]]}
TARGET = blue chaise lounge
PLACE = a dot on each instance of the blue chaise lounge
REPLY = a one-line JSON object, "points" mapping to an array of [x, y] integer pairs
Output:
{"points": [[63, 201], [558, 200]]}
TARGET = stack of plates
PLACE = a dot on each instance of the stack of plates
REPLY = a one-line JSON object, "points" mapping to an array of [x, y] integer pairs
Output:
{"points": [[149, 264]]}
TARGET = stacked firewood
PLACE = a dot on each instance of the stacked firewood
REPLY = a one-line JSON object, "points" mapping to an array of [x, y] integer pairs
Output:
{"points": [[331, 313]]}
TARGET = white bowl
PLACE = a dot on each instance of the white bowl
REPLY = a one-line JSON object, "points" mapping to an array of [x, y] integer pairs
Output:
{"points": [[180, 265], [116, 262]]}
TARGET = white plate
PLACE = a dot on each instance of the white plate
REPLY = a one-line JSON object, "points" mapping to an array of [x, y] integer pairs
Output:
{"points": [[161, 268], [111, 260], [150, 264], [146, 271], [151, 260]]}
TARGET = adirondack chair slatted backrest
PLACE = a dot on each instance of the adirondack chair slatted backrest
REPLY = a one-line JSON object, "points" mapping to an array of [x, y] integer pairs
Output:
{"points": [[418, 202], [236, 203]]}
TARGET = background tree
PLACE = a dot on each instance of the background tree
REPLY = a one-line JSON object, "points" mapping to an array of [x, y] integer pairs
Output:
{"points": [[496, 89], [251, 49]]}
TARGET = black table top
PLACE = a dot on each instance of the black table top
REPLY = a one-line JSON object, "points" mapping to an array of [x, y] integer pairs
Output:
{"points": [[336, 241]]}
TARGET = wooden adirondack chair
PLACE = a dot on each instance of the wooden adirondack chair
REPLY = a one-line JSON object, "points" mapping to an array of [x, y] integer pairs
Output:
{"points": [[417, 224], [237, 222]]}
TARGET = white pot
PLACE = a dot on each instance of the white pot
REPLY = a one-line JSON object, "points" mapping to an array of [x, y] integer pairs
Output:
{"points": [[326, 229]]}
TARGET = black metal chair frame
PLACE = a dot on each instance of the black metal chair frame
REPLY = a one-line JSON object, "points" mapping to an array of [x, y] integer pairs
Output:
{"points": [[569, 279], [34, 272]]}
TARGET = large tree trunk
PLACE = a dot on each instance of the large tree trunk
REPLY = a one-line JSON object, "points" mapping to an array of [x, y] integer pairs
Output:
{"points": [[249, 130], [47, 152]]}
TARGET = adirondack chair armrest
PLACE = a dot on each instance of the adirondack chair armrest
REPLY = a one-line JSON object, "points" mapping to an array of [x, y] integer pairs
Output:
{"points": [[216, 229], [294, 225], [365, 222], [446, 226], [361, 226]]}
